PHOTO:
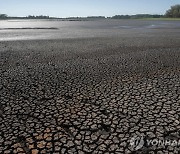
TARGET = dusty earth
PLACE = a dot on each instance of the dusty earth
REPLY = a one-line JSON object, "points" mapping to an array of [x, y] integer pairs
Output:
{"points": [[90, 95]]}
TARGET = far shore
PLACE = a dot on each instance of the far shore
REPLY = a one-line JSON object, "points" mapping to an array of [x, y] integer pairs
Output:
{"points": [[92, 19]]}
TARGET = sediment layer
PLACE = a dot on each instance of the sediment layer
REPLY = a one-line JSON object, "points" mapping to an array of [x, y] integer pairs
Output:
{"points": [[89, 95]]}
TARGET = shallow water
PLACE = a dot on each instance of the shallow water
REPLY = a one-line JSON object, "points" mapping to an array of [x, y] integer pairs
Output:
{"points": [[45, 29]]}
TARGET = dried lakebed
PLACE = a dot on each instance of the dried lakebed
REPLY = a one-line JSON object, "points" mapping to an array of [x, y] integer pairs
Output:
{"points": [[89, 95]]}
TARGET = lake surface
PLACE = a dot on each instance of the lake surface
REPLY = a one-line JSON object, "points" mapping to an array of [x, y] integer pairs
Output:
{"points": [[45, 29]]}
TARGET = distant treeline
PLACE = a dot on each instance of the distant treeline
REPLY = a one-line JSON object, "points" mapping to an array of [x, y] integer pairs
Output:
{"points": [[173, 12], [137, 16], [4, 16], [38, 17]]}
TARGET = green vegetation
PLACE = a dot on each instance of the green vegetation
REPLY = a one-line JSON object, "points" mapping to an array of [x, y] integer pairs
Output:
{"points": [[163, 18], [3, 16], [96, 17], [38, 17], [137, 16], [173, 12]]}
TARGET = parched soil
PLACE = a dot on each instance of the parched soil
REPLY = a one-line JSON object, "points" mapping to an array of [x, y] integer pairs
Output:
{"points": [[90, 95]]}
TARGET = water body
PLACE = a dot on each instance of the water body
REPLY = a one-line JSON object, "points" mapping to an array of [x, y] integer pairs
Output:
{"points": [[51, 29]]}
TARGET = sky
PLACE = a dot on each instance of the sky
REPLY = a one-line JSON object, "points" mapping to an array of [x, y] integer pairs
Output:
{"points": [[83, 8]]}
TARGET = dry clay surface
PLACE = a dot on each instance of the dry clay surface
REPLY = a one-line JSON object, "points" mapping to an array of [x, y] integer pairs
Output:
{"points": [[89, 95]]}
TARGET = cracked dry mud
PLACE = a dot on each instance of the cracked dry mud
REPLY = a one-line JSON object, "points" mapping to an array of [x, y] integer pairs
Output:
{"points": [[90, 95]]}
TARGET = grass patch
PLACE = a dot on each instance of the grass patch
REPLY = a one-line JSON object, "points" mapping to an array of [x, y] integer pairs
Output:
{"points": [[167, 19]]}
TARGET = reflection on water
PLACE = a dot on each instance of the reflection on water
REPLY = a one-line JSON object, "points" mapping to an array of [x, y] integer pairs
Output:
{"points": [[45, 29]]}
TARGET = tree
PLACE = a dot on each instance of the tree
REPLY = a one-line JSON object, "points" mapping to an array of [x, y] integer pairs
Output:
{"points": [[173, 12], [37, 17], [3, 16]]}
